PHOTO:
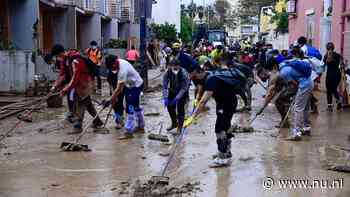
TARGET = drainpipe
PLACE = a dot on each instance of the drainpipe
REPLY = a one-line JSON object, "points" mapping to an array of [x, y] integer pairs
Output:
{"points": [[342, 36]]}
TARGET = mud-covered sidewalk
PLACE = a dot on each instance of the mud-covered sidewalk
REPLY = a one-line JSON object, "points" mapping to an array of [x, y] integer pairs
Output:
{"points": [[32, 164]]}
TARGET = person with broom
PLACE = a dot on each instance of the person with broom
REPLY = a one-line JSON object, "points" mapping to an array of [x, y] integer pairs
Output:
{"points": [[112, 79], [223, 85], [82, 83], [297, 72], [176, 84], [130, 84]]}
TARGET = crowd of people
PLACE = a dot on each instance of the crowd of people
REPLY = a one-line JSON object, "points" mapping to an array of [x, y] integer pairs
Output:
{"points": [[222, 72]]}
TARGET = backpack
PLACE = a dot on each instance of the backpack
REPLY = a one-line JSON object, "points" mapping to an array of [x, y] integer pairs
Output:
{"points": [[313, 52], [91, 66], [300, 66], [231, 76]]}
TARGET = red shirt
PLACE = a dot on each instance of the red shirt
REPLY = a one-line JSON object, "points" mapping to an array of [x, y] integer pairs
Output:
{"points": [[81, 74]]}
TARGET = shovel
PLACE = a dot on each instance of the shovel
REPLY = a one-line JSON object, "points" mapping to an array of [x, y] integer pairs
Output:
{"points": [[74, 146], [159, 136]]}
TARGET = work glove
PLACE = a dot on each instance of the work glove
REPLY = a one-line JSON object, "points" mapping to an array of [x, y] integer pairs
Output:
{"points": [[188, 121], [166, 102], [195, 103]]}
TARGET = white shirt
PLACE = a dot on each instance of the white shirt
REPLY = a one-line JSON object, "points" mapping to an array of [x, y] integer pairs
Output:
{"points": [[128, 74]]}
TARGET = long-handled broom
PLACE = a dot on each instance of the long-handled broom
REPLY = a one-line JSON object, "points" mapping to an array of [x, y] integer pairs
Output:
{"points": [[74, 146]]}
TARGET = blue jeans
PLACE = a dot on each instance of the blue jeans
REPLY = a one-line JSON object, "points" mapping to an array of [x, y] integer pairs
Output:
{"points": [[132, 98]]}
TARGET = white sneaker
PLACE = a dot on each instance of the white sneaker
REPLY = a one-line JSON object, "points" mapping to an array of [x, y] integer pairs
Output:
{"points": [[218, 162]]}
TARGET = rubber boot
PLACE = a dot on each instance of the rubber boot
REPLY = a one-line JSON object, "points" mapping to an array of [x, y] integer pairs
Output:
{"points": [[140, 122], [129, 126], [68, 117]]}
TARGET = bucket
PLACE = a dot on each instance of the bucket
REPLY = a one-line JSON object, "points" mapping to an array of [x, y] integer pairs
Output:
{"points": [[54, 101]]}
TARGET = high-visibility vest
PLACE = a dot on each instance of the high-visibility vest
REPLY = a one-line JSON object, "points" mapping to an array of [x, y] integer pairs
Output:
{"points": [[94, 55]]}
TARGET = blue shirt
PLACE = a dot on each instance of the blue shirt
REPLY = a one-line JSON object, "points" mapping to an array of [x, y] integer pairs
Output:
{"points": [[289, 74]]}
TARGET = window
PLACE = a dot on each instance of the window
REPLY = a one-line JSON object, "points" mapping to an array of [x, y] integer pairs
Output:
{"points": [[105, 7], [310, 28], [88, 4], [292, 7]]}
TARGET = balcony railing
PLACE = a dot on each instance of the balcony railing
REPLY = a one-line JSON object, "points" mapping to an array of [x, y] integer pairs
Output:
{"points": [[124, 10], [91, 5]]}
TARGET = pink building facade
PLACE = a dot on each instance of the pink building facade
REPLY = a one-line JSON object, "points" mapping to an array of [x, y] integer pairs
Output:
{"points": [[321, 21]]}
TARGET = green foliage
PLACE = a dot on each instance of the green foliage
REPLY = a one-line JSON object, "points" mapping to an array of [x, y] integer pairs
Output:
{"points": [[116, 44], [281, 20], [186, 29], [248, 9], [165, 32]]}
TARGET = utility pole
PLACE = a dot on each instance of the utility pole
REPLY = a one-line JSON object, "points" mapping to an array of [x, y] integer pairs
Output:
{"points": [[143, 35]]}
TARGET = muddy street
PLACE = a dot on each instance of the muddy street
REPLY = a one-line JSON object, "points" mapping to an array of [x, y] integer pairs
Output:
{"points": [[32, 165]]}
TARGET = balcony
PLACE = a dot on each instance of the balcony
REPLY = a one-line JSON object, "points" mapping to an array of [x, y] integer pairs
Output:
{"points": [[123, 10], [90, 5]]}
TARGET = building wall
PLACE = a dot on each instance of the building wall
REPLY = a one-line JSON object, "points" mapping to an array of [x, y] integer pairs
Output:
{"points": [[90, 29], [337, 21], [167, 11], [297, 25], [17, 71], [23, 14]]}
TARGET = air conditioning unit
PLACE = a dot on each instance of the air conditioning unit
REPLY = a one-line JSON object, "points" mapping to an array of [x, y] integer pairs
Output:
{"points": [[292, 7]]}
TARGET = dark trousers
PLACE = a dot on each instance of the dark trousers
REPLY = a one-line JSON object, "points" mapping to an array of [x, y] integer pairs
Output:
{"points": [[332, 83], [224, 113], [82, 105], [177, 111], [132, 98]]}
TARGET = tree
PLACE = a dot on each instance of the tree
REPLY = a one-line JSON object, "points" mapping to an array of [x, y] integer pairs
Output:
{"points": [[165, 32], [281, 16], [186, 29], [281, 20], [250, 9]]}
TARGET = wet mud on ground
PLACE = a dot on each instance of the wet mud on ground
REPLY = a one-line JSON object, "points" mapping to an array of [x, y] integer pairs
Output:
{"points": [[32, 165]]}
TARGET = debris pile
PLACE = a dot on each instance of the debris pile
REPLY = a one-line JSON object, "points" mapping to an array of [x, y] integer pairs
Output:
{"points": [[240, 129], [152, 189]]}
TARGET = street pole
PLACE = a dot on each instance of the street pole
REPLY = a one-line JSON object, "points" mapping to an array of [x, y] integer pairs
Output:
{"points": [[143, 34]]}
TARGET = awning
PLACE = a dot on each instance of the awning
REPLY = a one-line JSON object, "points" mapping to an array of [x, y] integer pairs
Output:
{"points": [[346, 13]]}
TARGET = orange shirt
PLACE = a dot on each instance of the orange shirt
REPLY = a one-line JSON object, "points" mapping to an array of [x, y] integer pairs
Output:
{"points": [[94, 55]]}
